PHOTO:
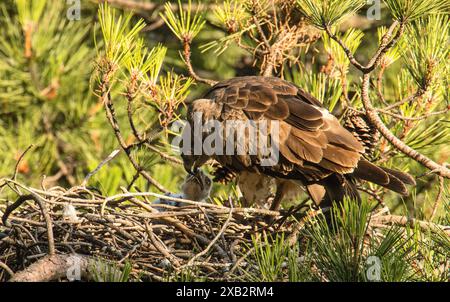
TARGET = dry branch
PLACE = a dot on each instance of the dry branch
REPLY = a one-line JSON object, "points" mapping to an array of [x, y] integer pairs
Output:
{"points": [[131, 4], [405, 221], [51, 268]]}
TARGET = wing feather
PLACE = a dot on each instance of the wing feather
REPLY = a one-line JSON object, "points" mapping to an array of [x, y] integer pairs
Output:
{"points": [[309, 135], [305, 150]]}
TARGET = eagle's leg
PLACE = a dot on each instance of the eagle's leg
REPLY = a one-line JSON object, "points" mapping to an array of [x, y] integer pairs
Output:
{"points": [[279, 195]]}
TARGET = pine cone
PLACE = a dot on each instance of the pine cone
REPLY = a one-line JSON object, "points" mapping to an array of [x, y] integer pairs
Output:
{"points": [[360, 126]]}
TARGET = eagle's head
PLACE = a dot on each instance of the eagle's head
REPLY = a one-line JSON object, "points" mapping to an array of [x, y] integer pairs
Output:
{"points": [[199, 112], [192, 162]]}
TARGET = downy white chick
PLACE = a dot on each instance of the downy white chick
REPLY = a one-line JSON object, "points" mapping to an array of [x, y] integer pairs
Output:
{"points": [[196, 187]]}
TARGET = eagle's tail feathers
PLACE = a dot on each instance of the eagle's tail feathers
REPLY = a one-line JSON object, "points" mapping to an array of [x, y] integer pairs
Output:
{"points": [[368, 171], [404, 177], [388, 178]]}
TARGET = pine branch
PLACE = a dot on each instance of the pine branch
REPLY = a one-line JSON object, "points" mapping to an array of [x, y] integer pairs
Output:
{"points": [[438, 198], [110, 113], [417, 118], [131, 4], [386, 44], [406, 221], [419, 93], [187, 61], [396, 142]]}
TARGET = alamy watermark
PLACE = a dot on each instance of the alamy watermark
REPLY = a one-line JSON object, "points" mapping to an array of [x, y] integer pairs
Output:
{"points": [[374, 10], [74, 10], [73, 272], [231, 137], [373, 272]]}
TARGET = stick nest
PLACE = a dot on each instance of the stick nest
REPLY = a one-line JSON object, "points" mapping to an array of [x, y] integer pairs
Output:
{"points": [[159, 241]]}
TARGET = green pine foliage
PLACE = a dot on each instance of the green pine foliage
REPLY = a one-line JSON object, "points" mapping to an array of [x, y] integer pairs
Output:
{"points": [[45, 65]]}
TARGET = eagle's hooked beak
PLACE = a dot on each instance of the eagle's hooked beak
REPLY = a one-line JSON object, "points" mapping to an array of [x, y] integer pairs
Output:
{"points": [[188, 167], [191, 169]]}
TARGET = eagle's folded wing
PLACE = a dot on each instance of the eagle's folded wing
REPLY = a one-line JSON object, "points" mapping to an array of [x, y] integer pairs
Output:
{"points": [[312, 143]]}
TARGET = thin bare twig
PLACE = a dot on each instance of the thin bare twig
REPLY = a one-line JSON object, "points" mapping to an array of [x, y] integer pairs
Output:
{"points": [[410, 98], [110, 113], [384, 47], [347, 50], [292, 239], [131, 4], [160, 246], [43, 207], [6, 268], [187, 61], [418, 118], [438, 197], [104, 162], [16, 168], [213, 242], [406, 221]]}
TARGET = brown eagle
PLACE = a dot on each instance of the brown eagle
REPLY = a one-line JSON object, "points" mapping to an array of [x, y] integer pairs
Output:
{"points": [[315, 151]]}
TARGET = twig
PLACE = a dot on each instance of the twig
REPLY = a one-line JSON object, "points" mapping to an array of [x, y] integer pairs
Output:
{"points": [[374, 195], [405, 221], [187, 61], [104, 162], [347, 51], [146, 142], [261, 33], [110, 113], [61, 164], [16, 168], [408, 99], [6, 268], [183, 228], [211, 229], [160, 246], [43, 207], [165, 156], [154, 26], [292, 239], [379, 85], [133, 180], [438, 197], [385, 45], [419, 118], [211, 244], [267, 48], [131, 4], [144, 6], [191, 202]]}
